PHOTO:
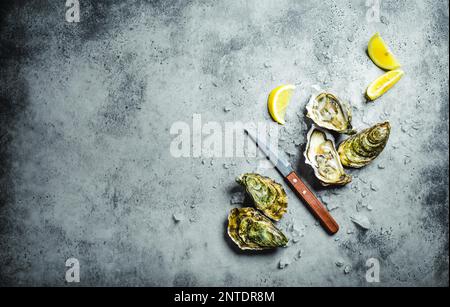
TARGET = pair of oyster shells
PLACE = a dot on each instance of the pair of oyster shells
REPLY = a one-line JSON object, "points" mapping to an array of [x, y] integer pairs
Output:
{"points": [[248, 227], [329, 112]]}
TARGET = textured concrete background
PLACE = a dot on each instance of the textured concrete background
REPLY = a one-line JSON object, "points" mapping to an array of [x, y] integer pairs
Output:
{"points": [[86, 170]]}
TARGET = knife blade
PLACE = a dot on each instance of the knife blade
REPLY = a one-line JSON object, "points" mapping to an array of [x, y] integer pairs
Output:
{"points": [[297, 185]]}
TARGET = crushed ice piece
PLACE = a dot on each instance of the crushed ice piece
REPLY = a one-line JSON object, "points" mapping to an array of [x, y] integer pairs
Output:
{"points": [[373, 187], [332, 206], [295, 233], [289, 227], [407, 160], [192, 206], [177, 217], [337, 239], [226, 166], [347, 269], [339, 263], [295, 228], [369, 207], [381, 166], [355, 188], [298, 255], [267, 65], [335, 192], [361, 220], [291, 151], [237, 198], [359, 205], [349, 231], [283, 263], [226, 109], [295, 240], [364, 194]]}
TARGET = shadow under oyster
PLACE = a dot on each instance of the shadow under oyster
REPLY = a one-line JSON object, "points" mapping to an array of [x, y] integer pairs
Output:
{"points": [[329, 112], [269, 196], [251, 230]]}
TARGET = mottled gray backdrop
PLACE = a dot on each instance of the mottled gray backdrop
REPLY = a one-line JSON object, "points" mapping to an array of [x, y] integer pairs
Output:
{"points": [[85, 116]]}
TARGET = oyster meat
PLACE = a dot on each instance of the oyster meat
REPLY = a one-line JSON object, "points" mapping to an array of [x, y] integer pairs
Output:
{"points": [[329, 112], [251, 230], [362, 148], [269, 196], [321, 154]]}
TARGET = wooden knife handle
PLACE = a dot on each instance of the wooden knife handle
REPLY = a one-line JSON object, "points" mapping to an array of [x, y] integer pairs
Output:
{"points": [[314, 205]]}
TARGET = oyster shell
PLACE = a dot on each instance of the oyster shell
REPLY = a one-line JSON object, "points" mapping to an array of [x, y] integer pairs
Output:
{"points": [[321, 154], [251, 230], [362, 148], [329, 112], [269, 196]]}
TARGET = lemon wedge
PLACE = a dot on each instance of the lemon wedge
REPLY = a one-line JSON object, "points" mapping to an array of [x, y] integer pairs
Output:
{"points": [[383, 83], [380, 54], [278, 101]]}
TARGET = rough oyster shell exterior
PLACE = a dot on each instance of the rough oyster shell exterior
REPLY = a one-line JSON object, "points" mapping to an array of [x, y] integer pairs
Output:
{"points": [[251, 230], [362, 148], [269, 196]]}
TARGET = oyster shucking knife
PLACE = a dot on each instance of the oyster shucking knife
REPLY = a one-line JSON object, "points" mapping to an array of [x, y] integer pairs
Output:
{"points": [[298, 186]]}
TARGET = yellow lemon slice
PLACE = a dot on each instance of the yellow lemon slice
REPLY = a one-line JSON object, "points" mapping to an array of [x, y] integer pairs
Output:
{"points": [[383, 83], [380, 54], [278, 101]]}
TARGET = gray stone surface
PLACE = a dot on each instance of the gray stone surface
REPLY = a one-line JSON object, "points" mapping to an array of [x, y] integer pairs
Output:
{"points": [[86, 170]]}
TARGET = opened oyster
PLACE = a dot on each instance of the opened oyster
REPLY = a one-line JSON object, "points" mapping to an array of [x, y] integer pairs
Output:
{"points": [[329, 112], [251, 230], [362, 148], [269, 196], [321, 154]]}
